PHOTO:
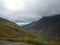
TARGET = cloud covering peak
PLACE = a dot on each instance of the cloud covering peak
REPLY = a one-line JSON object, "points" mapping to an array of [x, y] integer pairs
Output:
{"points": [[25, 11]]}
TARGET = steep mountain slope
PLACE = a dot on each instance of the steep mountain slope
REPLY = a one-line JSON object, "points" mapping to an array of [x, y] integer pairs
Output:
{"points": [[10, 31], [48, 26]]}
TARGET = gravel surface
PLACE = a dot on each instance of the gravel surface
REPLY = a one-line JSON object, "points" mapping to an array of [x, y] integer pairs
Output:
{"points": [[13, 43]]}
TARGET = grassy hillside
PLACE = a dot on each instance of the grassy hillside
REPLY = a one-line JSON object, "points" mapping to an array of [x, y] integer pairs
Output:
{"points": [[12, 32], [10, 29]]}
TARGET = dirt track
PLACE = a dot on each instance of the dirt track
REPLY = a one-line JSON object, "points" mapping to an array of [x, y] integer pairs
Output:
{"points": [[12, 43]]}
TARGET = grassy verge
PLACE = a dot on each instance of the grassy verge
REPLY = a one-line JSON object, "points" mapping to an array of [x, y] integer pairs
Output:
{"points": [[25, 39]]}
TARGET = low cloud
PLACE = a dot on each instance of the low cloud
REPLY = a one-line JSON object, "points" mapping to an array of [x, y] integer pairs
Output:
{"points": [[32, 12]]}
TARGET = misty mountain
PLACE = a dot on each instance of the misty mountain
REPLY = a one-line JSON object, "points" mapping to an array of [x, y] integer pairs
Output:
{"points": [[47, 26]]}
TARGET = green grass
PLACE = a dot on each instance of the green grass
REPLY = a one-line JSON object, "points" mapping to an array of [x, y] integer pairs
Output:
{"points": [[30, 40]]}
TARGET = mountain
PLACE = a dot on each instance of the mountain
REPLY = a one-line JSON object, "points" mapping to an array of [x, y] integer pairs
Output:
{"points": [[9, 31], [14, 35], [48, 26]]}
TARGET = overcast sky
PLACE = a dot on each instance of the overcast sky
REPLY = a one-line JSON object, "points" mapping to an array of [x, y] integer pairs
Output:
{"points": [[25, 11]]}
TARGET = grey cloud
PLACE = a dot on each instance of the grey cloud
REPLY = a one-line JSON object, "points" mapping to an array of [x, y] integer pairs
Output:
{"points": [[51, 7], [33, 12]]}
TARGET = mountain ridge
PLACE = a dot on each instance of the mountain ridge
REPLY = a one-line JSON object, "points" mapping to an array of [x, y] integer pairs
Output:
{"points": [[48, 26]]}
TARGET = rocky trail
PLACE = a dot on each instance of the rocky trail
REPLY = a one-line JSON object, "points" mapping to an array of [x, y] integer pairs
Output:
{"points": [[13, 43]]}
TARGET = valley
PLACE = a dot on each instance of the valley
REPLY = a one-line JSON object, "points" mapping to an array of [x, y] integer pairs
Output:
{"points": [[46, 31]]}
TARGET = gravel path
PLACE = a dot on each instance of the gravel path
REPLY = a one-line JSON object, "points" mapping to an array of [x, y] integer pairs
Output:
{"points": [[13, 43]]}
